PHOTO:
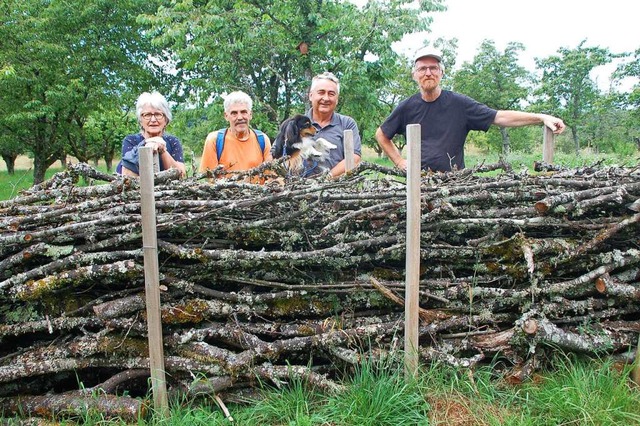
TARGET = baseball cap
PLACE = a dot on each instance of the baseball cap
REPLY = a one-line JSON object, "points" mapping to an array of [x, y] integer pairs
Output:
{"points": [[428, 52]]}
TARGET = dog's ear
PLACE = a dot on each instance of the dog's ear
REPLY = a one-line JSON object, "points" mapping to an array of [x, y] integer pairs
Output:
{"points": [[278, 143], [291, 133]]}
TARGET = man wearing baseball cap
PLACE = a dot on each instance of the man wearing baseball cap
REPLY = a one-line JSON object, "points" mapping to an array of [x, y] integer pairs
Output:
{"points": [[445, 118]]}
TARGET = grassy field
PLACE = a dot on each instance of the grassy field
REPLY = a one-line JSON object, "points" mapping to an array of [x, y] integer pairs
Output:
{"points": [[11, 185]]}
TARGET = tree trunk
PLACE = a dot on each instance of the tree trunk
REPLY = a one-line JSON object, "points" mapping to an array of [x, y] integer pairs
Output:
{"points": [[506, 142], [63, 160], [10, 161], [43, 157], [576, 142], [108, 160], [39, 169]]}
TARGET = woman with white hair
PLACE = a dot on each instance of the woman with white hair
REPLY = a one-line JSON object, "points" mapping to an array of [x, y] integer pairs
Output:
{"points": [[154, 115]]}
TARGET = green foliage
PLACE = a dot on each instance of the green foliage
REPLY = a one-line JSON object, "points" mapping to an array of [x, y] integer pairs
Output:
{"points": [[70, 72], [68, 59], [567, 90], [10, 149], [12, 314], [192, 125], [631, 69], [105, 130], [494, 78]]}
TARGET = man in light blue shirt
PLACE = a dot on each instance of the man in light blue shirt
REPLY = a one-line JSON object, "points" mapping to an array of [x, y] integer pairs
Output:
{"points": [[324, 93]]}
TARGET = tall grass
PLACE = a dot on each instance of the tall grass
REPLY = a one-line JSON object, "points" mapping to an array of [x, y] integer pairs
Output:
{"points": [[572, 391], [378, 395], [11, 185], [583, 392]]}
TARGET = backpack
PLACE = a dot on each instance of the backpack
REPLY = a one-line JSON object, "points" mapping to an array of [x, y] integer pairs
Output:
{"points": [[223, 132]]}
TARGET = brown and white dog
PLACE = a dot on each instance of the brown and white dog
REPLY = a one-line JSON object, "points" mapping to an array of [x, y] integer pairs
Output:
{"points": [[295, 140]]}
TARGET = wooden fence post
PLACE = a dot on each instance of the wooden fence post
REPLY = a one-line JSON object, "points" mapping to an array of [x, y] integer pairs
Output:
{"points": [[349, 159], [548, 142], [152, 283], [412, 278]]}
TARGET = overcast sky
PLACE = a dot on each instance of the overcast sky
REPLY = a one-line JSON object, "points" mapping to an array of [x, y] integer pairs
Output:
{"points": [[542, 26]]}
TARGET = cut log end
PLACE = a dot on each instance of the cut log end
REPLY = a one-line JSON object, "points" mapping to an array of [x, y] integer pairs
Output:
{"points": [[541, 207], [530, 326]]}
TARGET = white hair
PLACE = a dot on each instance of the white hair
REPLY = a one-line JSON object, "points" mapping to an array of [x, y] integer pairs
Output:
{"points": [[154, 100], [325, 76], [238, 97]]}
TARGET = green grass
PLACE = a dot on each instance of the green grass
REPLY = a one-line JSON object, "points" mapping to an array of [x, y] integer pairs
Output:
{"points": [[11, 185], [295, 404], [378, 395], [585, 393], [522, 160], [574, 391]]}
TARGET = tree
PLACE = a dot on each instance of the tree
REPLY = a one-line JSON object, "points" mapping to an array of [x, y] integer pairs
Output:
{"points": [[9, 150], [105, 130], [567, 90], [69, 58], [631, 101], [193, 124], [494, 78]]}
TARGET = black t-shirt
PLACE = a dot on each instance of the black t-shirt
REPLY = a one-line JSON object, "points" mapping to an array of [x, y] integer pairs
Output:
{"points": [[444, 125]]}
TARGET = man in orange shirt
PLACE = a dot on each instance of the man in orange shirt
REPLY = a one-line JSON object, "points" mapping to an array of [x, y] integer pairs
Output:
{"points": [[238, 147]]}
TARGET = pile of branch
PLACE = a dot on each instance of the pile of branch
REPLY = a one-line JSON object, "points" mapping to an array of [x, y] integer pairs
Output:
{"points": [[262, 282]]}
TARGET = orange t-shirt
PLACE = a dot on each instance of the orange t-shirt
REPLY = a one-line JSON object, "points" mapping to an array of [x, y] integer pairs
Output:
{"points": [[236, 155]]}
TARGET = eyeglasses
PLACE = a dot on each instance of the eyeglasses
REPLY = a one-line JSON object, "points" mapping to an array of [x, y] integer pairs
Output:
{"points": [[147, 116], [423, 70]]}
